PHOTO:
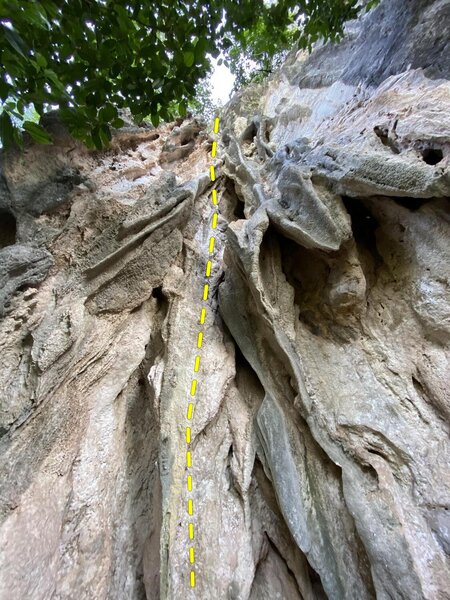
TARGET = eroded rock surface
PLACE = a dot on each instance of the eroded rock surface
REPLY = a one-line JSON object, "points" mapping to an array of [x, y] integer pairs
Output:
{"points": [[320, 433]]}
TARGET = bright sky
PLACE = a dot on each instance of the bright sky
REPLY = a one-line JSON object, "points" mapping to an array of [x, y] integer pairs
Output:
{"points": [[222, 82]]}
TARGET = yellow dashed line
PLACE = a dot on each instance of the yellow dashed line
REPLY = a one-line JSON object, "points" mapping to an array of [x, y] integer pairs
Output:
{"points": [[193, 390]]}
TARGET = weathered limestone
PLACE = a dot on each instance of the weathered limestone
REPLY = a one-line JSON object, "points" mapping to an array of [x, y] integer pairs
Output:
{"points": [[21, 266], [320, 431]]}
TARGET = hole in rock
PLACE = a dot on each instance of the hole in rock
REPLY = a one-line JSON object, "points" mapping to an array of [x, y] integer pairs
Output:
{"points": [[306, 272], [230, 453], [228, 470], [432, 156], [269, 496], [236, 204], [316, 583], [239, 209], [411, 203], [240, 360], [162, 302], [364, 224], [383, 134], [376, 453], [7, 229], [249, 133], [158, 293]]}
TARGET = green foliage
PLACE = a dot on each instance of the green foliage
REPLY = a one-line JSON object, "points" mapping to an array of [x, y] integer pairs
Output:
{"points": [[371, 4], [91, 58], [259, 50], [202, 104]]}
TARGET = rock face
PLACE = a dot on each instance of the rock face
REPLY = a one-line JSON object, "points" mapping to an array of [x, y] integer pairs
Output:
{"points": [[320, 434]]}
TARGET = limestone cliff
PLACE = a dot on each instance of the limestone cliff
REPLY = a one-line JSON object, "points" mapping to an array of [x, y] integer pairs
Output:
{"points": [[321, 428]]}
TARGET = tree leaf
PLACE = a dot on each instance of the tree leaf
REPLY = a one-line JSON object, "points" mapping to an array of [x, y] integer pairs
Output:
{"points": [[200, 48], [188, 58], [371, 4], [4, 89], [118, 123], [105, 135], [155, 120], [96, 138], [41, 61], [15, 41], [6, 130], [107, 113]]}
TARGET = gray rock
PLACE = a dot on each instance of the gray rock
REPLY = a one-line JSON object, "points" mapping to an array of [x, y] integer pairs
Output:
{"points": [[20, 267], [391, 39], [312, 218], [319, 434]]}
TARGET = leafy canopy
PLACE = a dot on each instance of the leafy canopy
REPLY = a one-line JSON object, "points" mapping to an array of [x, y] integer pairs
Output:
{"points": [[91, 58]]}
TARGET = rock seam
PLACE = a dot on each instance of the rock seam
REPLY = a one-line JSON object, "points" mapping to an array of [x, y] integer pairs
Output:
{"points": [[196, 369]]}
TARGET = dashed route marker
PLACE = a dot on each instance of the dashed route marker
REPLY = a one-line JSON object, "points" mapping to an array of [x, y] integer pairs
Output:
{"points": [[196, 368]]}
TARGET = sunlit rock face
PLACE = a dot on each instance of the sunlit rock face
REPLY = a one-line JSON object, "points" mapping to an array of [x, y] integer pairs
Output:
{"points": [[320, 433]]}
